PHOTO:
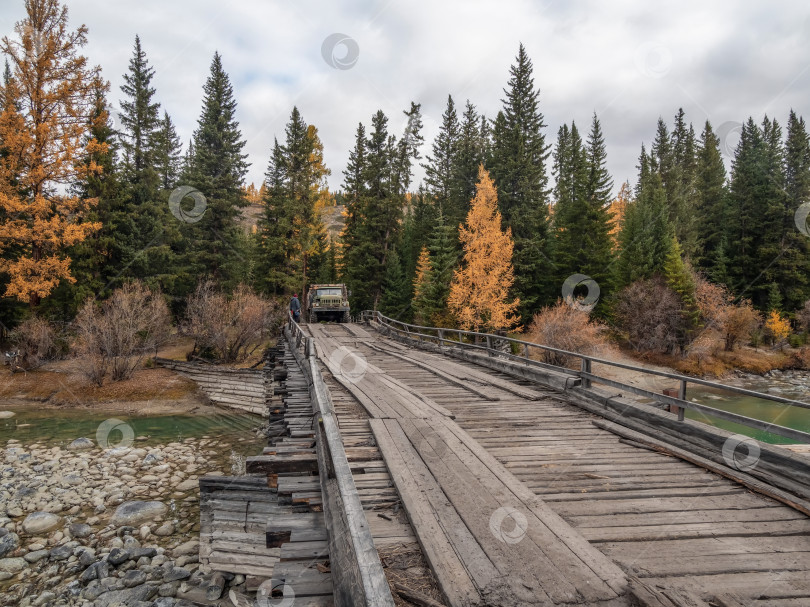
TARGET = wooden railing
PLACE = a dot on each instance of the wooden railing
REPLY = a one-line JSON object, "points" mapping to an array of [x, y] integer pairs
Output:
{"points": [[357, 575], [485, 343]]}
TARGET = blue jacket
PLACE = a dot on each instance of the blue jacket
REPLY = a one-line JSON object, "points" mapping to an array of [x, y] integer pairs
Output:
{"points": [[295, 305]]}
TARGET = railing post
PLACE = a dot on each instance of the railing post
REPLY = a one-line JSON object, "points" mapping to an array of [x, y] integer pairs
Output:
{"points": [[586, 368], [441, 338], [682, 396], [489, 346]]}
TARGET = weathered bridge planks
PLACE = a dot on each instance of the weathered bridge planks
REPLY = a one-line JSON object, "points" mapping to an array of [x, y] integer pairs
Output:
{"points": [[458, 497], [677, 527]]}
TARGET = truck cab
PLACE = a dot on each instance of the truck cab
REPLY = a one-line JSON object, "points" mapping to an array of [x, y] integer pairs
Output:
{"points": [[328, 302]]}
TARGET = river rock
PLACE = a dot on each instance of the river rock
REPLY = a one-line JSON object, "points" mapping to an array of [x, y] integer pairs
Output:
{"points": [[165, 530], [190, 547], [134, 578], [9, 542], [7, 414], [175, 574], [36, 556], [128, 596], [80, 444], [136, 512], [118, 556], [38, 523], [13, 565], [188, 485], [80, 530], [61, 553]]}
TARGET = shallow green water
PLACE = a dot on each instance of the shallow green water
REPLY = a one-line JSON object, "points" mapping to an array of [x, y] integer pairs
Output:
{"points": [[783, 415], [63, 426]]}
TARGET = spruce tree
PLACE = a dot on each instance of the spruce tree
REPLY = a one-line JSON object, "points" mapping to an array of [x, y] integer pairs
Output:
{"points": [[397, 290], [519, 158], [681, 189], [168, 153], [217, 170], [679, 278], [439, 168], [645, 239], [711, 206], [793, 268], [471, 153]]}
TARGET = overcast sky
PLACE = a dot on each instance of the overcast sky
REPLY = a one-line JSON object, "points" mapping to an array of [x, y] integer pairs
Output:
{"points": [[628, 61]]}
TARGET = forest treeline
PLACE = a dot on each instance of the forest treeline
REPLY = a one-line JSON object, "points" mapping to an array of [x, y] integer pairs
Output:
{"points": [[93, 198]]}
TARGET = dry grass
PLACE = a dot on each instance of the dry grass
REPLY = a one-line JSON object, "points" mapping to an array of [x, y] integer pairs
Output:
{"points": [[404, 564], [62, 384], [718, 363]]}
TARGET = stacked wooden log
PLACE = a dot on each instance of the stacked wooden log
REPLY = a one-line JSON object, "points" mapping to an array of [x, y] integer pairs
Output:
{"points": [[244, 389]]}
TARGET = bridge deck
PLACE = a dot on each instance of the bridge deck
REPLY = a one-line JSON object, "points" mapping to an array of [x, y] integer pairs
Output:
{"points": [[668, 522]]}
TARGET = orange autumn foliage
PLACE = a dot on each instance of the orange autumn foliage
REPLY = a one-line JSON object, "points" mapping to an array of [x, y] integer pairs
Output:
{"points": [[44, 126], [616, 210], [480, 288]]}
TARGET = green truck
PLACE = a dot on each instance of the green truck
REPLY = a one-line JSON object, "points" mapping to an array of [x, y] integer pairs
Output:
{"points": [[328, 302]]}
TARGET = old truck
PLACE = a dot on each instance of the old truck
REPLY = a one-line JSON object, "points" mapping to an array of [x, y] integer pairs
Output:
{"points": [[328, 302]]}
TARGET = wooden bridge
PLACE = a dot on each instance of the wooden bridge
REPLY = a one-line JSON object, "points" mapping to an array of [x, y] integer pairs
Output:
{"points": [[517, 482]]}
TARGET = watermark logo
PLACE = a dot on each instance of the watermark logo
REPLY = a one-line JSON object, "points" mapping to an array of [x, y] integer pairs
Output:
{"points": [[340, 51], [432, 447], [348, 364], [265, 598], [113, 117], [584, 303], [108, 431], [508, 525], [741, 459], [34, 41], [729, 135], [192, 215], [653, 59], [802, 218]]}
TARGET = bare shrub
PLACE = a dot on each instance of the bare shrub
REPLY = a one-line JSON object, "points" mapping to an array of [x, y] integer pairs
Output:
{"points": [[735, 322], [648, 312], [36, 341], [229, 329], [114, 337], [564, 327]]}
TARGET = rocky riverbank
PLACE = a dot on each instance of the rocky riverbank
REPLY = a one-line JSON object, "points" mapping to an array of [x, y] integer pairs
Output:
{"points": [[83, 525]]}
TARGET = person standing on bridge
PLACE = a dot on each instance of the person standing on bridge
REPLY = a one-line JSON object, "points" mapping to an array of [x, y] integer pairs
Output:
{"points": [[295, 307]]}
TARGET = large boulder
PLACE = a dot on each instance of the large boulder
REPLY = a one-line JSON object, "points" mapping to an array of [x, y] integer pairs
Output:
{"points": [[137, 512], [39, 523], [14, 565]]}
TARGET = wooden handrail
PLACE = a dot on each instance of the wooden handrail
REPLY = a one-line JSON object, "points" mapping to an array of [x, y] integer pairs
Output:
{"points": [[357, 574], [587, 376]]}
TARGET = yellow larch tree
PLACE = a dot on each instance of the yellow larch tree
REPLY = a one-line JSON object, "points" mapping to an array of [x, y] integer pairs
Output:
{"points": [[421, 287], [44, 126], [616, 210], [480, 288]]}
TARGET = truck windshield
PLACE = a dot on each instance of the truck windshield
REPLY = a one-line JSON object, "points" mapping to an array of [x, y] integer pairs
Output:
{"points": [[328, 293]]}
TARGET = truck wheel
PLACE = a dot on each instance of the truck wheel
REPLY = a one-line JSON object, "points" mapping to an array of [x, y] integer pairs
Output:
{"points": [[312, 318], [346, 317]]}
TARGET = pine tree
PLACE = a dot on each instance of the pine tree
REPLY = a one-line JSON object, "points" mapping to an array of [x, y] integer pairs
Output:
{"points": [[444, 247], [681, 191], [217, 170], [90, 258], [275, 265], [581, 212], [793, 268], [519, 157], [441, 163], [645, 239], [479, 293], [397, 290], [168, 153], [711, 205], [679, 279], [140, 119], [470, 154]]}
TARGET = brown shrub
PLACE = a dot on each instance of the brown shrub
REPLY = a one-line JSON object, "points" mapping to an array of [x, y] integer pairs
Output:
{"points": [[564, 327], [229, 329], [648, 312], [800, 359], [36, 341], [114, 337]]}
